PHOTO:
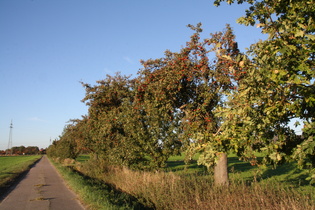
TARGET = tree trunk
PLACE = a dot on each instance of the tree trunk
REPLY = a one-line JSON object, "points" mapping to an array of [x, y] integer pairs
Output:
{"points": [[221, 176], [95, 156]]}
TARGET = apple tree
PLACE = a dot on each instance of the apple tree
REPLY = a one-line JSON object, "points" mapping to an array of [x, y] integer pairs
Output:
{"points": [[180, 93], [107, 136], [280, 86]]}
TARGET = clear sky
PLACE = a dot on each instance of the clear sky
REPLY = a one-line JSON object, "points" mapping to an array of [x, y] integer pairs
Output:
{"points": [[48, 46]]}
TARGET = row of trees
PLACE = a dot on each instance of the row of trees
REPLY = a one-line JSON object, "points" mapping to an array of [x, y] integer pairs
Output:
{"points": [[22, 150], [210, 98]]}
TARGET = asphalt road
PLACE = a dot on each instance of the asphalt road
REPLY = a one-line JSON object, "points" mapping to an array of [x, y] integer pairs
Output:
{"points": [[42, 188]]}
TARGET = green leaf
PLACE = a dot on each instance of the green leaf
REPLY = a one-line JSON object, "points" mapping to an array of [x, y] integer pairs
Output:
{"points": [[310, 36], [299, 33]]}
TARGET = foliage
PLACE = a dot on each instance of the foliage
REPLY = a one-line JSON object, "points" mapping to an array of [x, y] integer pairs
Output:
{"points": [[184, 89], [110, 110], [66, 146], [22, 150], [210, 98], [280, 85]]}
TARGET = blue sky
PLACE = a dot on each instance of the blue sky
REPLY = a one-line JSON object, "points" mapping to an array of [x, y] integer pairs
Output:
{"points": [[47, 47]]}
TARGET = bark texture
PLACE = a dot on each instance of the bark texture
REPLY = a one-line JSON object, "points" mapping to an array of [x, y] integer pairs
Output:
{"points": [[221, 176]]}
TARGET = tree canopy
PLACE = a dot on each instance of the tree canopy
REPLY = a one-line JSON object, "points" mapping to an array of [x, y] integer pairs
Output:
{"points": [[211, 98]]}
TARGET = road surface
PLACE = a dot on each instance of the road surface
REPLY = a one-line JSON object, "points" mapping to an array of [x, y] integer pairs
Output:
{"points": [[42, 188]]}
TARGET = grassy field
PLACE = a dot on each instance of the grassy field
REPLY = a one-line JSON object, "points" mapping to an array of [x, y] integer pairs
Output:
{"points": [[191, 187], [83, 158], [12, 166]]}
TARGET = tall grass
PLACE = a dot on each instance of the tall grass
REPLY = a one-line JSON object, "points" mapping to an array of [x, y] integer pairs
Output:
{"points": [[161, 190], [94, 193]]}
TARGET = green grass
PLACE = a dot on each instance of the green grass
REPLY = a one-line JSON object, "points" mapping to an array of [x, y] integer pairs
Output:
{"points": [[238, 170], [288, 174], [177, 165], [83, 158], [12, 166]]}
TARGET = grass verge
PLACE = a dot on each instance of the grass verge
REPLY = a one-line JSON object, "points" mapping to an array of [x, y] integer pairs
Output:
{"points": [[94, 193]]}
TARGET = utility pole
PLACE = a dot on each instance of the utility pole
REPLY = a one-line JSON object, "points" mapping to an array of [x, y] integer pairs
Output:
{"points": [[9, 150]]}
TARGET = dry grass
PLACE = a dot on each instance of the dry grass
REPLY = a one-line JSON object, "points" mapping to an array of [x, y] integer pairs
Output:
{"points": [[160, 190]]}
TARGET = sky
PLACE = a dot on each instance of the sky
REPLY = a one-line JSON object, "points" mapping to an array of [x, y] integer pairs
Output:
{"points": [[48, 47]]}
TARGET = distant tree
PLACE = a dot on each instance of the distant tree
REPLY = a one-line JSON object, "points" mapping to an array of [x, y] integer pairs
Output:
{"points": [[62, 149], [108, 136], [79, 133], [31, 150], [18, 150], [66, 146], [52, 149]]}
